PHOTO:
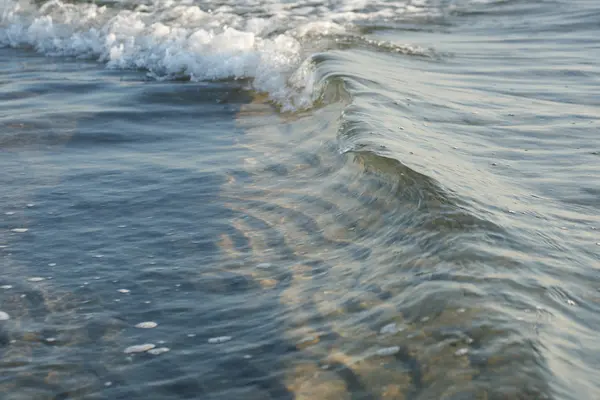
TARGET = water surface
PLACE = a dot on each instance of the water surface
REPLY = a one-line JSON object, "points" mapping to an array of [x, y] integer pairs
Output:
{"points": [[331, 200]]}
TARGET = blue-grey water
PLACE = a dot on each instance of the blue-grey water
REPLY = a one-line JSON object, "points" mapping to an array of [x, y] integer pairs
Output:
{"points": [[302, 200]]}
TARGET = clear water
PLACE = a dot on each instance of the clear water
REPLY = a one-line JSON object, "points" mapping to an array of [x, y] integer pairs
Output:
{"points": [[311, 200]]}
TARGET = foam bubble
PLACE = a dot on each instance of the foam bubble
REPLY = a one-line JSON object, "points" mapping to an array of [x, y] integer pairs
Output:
{"points": [[159, 350], [146, 325], [4, 316], [219, 339], [140, 348], [388, 351]]}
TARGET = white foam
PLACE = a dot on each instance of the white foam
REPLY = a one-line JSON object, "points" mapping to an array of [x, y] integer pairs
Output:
{"points": [[388, 351], [260, 40], [146, 325], [219, 339], [167, 39], [4, 316], [461, 352], [140, 348], [159, 350]]}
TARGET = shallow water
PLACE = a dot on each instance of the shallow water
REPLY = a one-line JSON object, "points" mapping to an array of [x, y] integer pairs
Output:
{"points": [[300, 200]]}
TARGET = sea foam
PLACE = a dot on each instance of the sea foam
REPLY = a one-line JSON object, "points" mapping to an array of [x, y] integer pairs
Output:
{"points": [[259, 40]]}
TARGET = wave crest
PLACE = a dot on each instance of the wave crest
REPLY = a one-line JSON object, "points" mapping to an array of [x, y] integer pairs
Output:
{"points": [[172, 40]]}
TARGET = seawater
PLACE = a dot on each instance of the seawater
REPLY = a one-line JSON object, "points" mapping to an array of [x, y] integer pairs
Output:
{"points": [[299, 200]]}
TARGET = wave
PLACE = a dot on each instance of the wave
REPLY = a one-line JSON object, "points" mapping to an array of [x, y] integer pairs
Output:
{"points": [[269, 43]]}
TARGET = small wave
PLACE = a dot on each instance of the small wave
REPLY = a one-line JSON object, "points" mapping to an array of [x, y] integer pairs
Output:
{"points": [[266, 43]]}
